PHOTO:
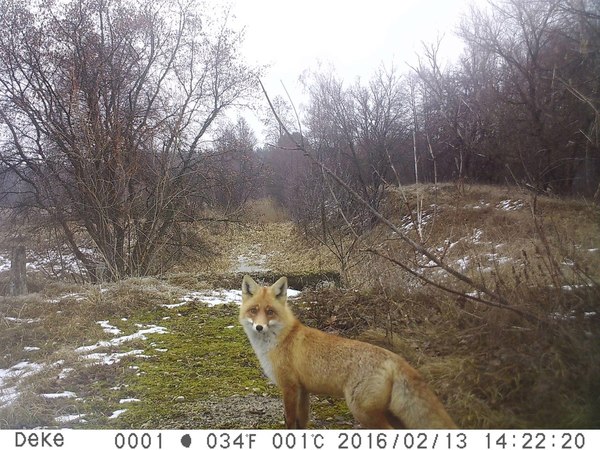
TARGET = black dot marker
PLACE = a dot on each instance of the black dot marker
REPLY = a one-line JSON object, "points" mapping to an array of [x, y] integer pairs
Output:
{"points": [[186, 440]]}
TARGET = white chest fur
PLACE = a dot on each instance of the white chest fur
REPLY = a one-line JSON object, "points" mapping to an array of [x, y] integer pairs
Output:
{"points": [[263, 343]]}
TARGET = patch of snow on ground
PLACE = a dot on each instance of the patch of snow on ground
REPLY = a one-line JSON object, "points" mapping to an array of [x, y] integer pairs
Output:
{"points": [[77, 296], [117, 413], [19, 320], [65, 394], [482, 204], [493, 257], [8, 395], [13, 375], [463, 263], [108, 328], [141, 334], [70, 418], [510, 205], [129, 400], [22, 369], [4, 263], [176, 305], [214, 298], [108, 359], [217, 297], [416, 221], [572, 315], [477, 234], [561, 316], [64, 373], [252, 261]]}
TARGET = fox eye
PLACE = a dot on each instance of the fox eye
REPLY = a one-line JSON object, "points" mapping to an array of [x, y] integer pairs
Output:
{"points": [[253, 310], [270, 312]]}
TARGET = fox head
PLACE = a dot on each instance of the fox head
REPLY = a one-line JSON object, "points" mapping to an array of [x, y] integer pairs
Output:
{"points": [[264, 308]]}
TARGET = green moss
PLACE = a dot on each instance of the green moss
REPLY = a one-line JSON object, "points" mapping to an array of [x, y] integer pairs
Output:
{"points": [[330, 413], [207, 355], [207, 360]]}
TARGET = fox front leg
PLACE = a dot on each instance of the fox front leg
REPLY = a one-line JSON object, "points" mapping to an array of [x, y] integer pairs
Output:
{"points": [[303, 408], [291, 404]]}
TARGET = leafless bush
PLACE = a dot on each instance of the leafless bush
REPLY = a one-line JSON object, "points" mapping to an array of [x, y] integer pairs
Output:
{"points": [[104, 105]]}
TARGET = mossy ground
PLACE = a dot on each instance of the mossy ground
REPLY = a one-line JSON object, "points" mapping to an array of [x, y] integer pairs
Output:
{"points": [[200, 373], [209, 362], [207, 357]]}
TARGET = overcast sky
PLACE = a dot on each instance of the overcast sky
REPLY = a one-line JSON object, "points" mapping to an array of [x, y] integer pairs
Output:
{"points": [[355, 37]]}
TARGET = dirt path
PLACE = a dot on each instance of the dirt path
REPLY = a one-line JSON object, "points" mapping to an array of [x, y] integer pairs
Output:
{"points": [[276, 247]]}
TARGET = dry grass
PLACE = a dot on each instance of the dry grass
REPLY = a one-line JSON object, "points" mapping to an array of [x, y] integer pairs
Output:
{"points": [[264, 210], [56, 321], [278, 246], [489, 234], [490, 368]]}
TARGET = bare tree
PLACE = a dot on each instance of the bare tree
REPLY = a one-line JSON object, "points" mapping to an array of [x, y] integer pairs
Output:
{"points": [[355, 131], [540, 123], [234, 167], [454, 109], [104, 105], [429, 255]]}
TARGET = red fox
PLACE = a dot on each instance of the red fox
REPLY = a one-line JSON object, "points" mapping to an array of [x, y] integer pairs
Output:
{"points": [[381, 389]]}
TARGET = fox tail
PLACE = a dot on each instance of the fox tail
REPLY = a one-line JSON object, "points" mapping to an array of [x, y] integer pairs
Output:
{"points": [[414, 405]]}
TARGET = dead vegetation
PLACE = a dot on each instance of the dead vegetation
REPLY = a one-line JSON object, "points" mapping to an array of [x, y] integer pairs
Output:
{"points": [[491, 368]]}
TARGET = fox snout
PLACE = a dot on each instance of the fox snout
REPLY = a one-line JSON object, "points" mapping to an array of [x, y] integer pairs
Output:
{"points": [[257, 326]]}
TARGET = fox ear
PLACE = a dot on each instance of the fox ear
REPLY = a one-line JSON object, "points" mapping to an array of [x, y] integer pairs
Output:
{"points": [[249, 287], [279, 288]]}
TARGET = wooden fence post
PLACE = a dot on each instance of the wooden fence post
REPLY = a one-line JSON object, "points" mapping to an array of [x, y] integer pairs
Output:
{"points": [[18, 278]]}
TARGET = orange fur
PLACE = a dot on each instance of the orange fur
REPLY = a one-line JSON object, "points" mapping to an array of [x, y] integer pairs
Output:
{"points": [[381, 389]]}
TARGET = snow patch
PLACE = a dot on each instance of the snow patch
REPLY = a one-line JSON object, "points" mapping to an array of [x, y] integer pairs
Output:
{"points": [[252, 261], [65, 394], [510, 205], [141, 334], [13, 375], [117, 413], [70, 418], [4, 263], [217, 297], [19, 320], [65, 373], [108, 328], [463, 263], [108, 359]]}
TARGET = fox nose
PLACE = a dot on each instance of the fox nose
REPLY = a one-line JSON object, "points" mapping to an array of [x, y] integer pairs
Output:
{"points": [[259, 328]]}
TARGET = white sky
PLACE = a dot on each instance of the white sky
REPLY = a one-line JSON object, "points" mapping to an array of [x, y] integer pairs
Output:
{"points": [[355, 37]]}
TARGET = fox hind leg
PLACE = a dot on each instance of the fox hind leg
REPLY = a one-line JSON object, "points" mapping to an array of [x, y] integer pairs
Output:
{"points": [[370, 414], [369, 403], [374, 419]]}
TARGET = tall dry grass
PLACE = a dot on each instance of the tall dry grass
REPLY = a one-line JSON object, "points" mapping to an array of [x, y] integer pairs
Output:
{"points": [[493, 368]]}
